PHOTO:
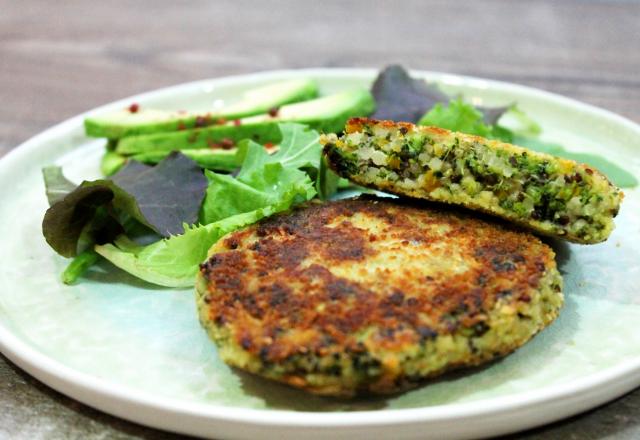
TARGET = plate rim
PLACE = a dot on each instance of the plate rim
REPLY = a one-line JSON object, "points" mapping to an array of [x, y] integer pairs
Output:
{"points": [[84, 387]]}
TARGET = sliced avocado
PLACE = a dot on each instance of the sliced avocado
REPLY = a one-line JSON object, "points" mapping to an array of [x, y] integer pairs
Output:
{"points": [[209, 137], [138, 121], [213, 159], [263, 99], [327, 114]]}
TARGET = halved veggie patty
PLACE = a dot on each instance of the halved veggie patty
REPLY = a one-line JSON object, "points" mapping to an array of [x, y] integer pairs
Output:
{"points": [[554, 196], [373, 295]]}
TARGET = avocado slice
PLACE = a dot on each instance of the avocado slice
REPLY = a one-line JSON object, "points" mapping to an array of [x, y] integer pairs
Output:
{"points": [[327, 114], [138, 121], [213, 159]]}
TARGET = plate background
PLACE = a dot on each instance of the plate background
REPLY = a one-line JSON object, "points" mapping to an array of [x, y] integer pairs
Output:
{"points": [[112, 339]]}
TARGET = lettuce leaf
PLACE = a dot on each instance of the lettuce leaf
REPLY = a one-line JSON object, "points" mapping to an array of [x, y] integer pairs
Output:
{"points": [[464, 117], [161, 198], [228, 196], [264, 179], [174, 262], [399, 97], [165, 196], [265, 184]]}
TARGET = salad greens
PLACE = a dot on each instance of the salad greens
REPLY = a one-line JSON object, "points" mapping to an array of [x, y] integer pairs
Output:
{"points": [[208, 158], [265, 179], [158, 222], [165, 196], [78, 219], [264, 185], [79, 265], [463, 117], [162, 198], [399, 97], [173, 262]]}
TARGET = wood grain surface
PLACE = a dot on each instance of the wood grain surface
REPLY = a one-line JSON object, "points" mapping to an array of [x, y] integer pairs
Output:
{"points": [[58, 59]]}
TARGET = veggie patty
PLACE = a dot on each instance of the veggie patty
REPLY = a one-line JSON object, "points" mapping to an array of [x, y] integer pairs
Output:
{"points": [[553, 196], [373, 295]]}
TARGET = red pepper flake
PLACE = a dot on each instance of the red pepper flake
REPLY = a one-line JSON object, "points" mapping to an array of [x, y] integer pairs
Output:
{"points": [[589, 171], [134, 107], [237, 122], [268, 145], [227, 143], [273, 111], [181, 125], [202, 121], [221, 121]]}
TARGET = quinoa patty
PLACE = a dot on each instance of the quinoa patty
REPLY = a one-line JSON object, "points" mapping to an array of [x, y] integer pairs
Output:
{"points": [[553, 196], [373, 295]]}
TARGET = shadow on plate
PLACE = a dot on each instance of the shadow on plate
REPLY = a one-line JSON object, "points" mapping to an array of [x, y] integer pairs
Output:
{"points": [[104, 272]]}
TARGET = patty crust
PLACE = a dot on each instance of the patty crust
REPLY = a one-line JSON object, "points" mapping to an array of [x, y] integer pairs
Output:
{"points": [[551, 195], [373, 295]]}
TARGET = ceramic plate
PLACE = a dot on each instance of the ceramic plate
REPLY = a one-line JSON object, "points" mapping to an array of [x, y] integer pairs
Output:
{"points": [[138, 352]]}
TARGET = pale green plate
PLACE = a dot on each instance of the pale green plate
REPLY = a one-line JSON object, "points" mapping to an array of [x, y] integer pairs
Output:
{"points": [[138, 352]]}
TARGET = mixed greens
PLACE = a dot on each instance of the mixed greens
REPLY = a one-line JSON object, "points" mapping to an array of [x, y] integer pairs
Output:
{"points": [[181, 180], [181, 212]]}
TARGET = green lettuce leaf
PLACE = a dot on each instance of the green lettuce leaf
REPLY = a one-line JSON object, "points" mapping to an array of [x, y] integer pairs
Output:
{"points": [[265, 184], [227, 196], [464, 117], [299, 148], [264, 179], [174, 262]]}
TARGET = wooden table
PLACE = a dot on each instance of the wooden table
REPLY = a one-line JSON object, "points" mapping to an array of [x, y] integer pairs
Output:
{"points": [[61, 58]]}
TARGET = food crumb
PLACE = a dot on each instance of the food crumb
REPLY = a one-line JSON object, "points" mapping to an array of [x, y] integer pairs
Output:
{"points": [[134, 107]]}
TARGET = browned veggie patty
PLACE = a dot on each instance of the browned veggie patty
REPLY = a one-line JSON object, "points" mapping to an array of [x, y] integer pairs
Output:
{"points": [[373, 295], [551, 195]]}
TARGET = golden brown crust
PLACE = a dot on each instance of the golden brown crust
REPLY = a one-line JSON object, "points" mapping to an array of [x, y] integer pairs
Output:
{"points": [[332, 277]]}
